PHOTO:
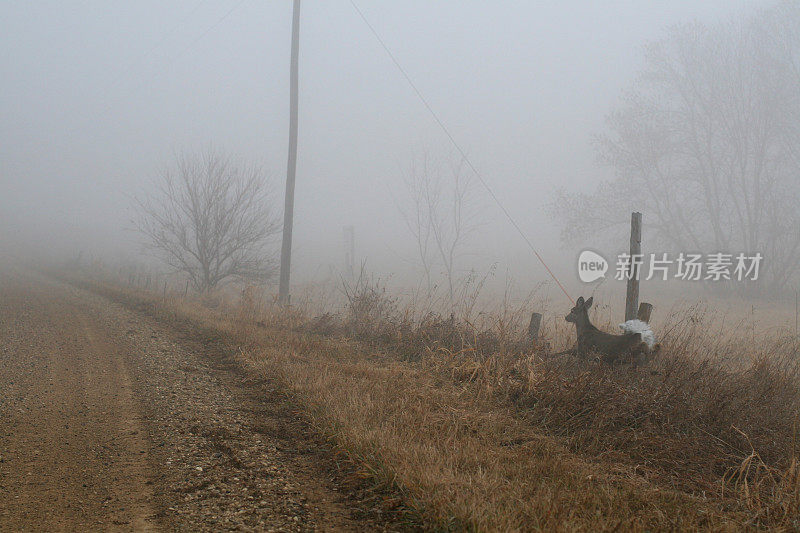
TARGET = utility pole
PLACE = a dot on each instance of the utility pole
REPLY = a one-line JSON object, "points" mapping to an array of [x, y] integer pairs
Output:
{"points": [[288, 208], [349, 251]]}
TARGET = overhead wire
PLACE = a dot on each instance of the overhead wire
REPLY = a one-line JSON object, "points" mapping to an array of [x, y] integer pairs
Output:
{"points": [[205, 32], [458, 148]]}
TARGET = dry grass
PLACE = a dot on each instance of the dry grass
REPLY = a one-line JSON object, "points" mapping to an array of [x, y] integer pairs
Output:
{"points": [[478, 432]]}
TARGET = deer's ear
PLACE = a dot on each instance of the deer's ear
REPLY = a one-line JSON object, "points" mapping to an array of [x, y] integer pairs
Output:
{"points": [[589, 302], [580, 300]]}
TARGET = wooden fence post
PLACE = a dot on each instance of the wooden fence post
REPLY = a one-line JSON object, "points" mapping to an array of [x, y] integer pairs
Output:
{"points": [[533, 327], [645, 309], [632, 293]]}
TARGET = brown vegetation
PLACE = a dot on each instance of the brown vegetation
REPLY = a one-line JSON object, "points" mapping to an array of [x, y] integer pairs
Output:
{"points": [[477, 431]]}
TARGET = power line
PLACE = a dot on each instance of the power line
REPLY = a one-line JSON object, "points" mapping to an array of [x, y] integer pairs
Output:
{"points": [[458, 148], [209, 29], [169, 32], [205, 32]]}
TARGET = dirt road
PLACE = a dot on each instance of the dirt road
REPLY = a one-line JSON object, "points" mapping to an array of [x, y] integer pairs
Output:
{"points": [[111, 421]]}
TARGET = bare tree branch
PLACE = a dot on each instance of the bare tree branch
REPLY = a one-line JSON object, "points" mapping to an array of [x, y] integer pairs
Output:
{"points": [[210, 219], [706, 145], [442, 215]]}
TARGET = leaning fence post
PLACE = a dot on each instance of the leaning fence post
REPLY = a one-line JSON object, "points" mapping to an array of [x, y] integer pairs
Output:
{"points": [[645, 309], [533, 327], [632, 293]]}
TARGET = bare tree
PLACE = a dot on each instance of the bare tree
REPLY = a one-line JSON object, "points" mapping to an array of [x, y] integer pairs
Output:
{"points": [[441, 215], [211, 219], [706, 144], [421, 195]]}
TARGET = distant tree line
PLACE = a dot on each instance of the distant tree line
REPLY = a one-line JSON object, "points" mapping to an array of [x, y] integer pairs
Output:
{"points": [[706, 143]]}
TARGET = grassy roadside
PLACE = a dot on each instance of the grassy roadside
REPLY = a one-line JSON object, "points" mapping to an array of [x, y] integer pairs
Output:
{"points": [[462, 455]]}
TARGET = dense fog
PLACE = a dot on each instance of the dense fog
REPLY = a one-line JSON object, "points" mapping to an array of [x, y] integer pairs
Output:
{"points": [[100, 97]]}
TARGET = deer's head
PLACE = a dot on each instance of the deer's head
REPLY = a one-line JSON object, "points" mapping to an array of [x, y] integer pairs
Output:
{"points": [[581, 309]]}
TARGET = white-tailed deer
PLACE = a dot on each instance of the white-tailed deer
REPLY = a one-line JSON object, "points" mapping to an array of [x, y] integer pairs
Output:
{"points": [[610, 348]]}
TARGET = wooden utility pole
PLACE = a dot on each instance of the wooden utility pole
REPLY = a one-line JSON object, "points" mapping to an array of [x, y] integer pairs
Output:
{"points": [[288, 208], [632, 294]]}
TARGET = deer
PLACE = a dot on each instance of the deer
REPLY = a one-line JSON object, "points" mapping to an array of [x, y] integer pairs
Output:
{"points": [[610, 348]]}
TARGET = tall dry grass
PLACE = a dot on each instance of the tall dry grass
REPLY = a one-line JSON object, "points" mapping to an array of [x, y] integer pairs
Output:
{"points": [[478, 430], [715, 415]]}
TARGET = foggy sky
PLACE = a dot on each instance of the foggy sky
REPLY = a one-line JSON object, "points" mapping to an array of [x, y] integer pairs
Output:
{"points": [[98, 96]]}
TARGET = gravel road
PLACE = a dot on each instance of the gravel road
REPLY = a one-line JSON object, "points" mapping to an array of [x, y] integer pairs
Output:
{"points": [[110, 420]]}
